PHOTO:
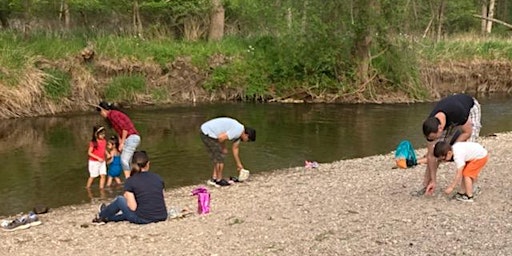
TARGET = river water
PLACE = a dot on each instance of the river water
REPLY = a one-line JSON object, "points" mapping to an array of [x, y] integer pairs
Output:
{"points": [[44, 160]]}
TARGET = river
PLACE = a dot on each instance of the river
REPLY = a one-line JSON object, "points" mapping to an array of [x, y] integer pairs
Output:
{"points": [[44, 160]]}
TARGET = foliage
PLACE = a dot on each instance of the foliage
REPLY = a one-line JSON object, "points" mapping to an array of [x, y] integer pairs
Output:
{"points": [[57, 84], [125, 87], [274, 46]]}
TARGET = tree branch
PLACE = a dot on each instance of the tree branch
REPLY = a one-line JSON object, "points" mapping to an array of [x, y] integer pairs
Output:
{"points": [[494, 20]]}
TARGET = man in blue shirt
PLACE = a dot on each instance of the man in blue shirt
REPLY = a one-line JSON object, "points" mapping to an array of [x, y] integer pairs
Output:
{"points": [[214, 134]]}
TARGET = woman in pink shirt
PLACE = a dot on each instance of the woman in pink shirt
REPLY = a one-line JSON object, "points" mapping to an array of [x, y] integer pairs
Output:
{"points": [[129, 138]]}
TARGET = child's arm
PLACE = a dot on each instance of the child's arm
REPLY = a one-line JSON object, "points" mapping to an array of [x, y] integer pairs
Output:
{"points": [[456, 181], [109, 156], [93, 155]]}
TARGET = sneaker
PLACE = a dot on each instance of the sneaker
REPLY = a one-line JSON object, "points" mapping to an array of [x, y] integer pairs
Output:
{"points": [[99, 221], [101, 207], [464, 198], [33, 220], [457, 195], [223, 183], [17, 224], [212, 183]]}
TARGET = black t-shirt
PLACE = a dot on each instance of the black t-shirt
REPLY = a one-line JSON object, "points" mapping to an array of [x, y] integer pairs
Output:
{"points": [[148, 190], [456, 108]]}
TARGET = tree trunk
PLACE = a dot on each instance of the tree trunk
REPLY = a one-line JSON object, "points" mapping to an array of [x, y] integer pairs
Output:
{"points": [[216, 21], [440, 16], [3, 19], [64, 14], [27, 5], [137, 22], [484, 14], [490, 15], [363, 40], [289, 17], [304, 17]]}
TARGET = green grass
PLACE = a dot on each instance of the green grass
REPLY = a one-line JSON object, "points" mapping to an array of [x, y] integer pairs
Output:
{"points": [[266, 64], [57, 84], [125, 87], [463, 49]]}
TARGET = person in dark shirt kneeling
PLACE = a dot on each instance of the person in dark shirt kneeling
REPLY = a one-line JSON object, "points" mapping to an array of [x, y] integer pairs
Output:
{"points": [[143, 199]]}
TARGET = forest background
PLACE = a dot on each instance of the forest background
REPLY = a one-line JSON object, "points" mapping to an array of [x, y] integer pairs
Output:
{"points": [[64, 55]]}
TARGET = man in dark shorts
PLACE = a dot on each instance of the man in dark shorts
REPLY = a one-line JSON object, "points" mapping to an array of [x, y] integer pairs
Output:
{"points": [[454, 118], [214, 134]]}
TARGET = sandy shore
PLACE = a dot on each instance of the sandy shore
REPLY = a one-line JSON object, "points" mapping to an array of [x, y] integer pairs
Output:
{"points": [[350, 207]]}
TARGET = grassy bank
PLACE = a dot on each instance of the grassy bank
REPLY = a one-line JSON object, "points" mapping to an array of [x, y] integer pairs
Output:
{"points": [[45, 73]]}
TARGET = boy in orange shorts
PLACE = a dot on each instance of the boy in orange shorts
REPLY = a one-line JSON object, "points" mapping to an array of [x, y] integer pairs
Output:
{"points": [[469, 158]]}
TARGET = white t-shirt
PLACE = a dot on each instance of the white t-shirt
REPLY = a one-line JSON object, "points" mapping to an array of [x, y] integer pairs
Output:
{"points": [[467, 151], [216, 126]]}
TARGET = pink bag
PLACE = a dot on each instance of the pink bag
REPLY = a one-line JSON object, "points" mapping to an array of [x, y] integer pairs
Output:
{"points": [[203, 200]]}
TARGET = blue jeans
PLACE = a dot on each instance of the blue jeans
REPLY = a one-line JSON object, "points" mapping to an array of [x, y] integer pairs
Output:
{"points": [[130, 145], [118, 211]]}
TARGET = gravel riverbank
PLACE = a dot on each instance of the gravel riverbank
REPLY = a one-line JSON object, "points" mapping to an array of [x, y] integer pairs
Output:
{"points": [[350, 207]]}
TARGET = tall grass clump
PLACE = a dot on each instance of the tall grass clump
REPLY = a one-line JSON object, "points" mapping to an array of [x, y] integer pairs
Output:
{"points": [[57, 84], [466, 48], [125, 87]]}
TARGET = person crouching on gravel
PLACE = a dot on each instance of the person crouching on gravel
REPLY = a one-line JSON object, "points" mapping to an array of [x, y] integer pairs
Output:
{"points": [[469, 158]]}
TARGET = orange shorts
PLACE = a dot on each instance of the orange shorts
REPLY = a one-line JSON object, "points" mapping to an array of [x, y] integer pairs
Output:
{"points": [[473, 168]]}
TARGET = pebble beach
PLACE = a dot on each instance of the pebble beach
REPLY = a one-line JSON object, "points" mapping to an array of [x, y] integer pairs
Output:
{"points": [[351, 207]]}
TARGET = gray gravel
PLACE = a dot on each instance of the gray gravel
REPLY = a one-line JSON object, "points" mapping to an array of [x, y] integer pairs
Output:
{"points": [[351, 207]]}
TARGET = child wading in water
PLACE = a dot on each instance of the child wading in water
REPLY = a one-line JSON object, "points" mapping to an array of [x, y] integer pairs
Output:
{"points": [[97, 165], [114, 161], [470, 158]]}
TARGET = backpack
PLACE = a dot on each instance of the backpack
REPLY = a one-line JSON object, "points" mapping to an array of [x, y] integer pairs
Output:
{"points": [[405, 155]]}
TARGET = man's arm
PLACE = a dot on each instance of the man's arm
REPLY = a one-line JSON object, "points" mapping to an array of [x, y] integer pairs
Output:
{"points": [[431, 171], [466, 131], [236, 151], [122, 139], [222, 137], [130, 200]]}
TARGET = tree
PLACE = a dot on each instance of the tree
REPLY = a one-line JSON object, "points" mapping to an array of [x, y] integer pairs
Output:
{"points": [[490, 15], [216, 21], [363, 10]]}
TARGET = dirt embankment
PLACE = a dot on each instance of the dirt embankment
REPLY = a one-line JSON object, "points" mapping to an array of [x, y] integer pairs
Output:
{"points": [[180, 81]]}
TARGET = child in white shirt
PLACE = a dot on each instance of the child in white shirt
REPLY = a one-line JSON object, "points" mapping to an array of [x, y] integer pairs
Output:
{"points": [[469, 158]]}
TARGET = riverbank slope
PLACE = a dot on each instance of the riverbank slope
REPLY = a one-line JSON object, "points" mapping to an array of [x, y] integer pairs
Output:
{"points": [[350, 207]]}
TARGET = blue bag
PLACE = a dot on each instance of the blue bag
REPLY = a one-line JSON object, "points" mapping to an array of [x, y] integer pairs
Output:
{"points": [[405, 155]]}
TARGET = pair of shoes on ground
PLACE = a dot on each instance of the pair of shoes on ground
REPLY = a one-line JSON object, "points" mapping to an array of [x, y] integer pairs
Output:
{"points": [[465, 198], [23, 222], [218, 183], [97, 219]]}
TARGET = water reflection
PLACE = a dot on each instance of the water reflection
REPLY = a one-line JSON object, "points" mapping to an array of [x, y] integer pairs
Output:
{"points": [[45, 159]]}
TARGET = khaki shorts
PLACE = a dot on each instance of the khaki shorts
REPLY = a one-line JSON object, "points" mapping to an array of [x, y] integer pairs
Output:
{"points": [[214, 148]]}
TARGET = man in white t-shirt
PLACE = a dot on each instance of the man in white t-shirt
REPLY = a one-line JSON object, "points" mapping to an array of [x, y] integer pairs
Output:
{"points": [[469, 158], [214, 134]]}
